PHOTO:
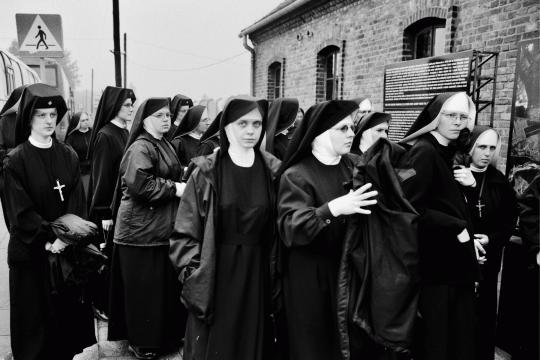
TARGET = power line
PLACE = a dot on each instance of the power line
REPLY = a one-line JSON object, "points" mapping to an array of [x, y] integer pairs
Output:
{"points": [[173, 50], [187, 69]]}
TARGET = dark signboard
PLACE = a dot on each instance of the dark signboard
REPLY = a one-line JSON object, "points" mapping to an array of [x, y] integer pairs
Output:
{"points": [[409, 85], [524, 144]]}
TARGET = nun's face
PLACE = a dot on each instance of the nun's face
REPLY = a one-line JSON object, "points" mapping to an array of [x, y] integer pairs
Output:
{"points": [[43, 122], [246, 130], [159, 122], [84, 122], [126, 111], [342, 135], [453, 117], [299, 118], [484, 150], [204, 123], [371, 135], [181, 113]]}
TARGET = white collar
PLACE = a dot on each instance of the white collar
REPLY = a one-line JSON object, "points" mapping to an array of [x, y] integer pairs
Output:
{"points": [[440, 139], [119, 123], [478, 170], [39, 144], [195, 135], [322, 149]]}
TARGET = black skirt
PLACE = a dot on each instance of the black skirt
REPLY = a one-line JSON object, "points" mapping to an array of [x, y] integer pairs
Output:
{"points": [[46, 326], [145, 305]]}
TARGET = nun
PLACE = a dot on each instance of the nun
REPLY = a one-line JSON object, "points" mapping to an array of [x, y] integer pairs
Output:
{"points": [[107, 145], [448, 264], [187, 136], [313, 204], [493, 208], [210, 139], [44, 183], [145, 295], [372, 127], [222, 241], [78, 137], [281, 116], [180, 105], [364, 107]]}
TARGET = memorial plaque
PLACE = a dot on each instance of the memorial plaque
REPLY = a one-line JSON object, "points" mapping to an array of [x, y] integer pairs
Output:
{"points": [[409, 85]]}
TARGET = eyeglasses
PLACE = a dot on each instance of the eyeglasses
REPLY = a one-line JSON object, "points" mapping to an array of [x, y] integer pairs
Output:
{"points": [[456, 116], [344, 128]]}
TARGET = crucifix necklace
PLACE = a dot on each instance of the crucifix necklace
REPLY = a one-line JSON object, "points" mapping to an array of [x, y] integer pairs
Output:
{"points": [[59, 188], [480, 205]]}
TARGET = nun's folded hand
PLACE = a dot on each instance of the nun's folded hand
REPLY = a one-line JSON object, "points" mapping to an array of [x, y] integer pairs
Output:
{"points": [[354, 202], [465, 177], [57, 246], [480, 252], [464, 236]]}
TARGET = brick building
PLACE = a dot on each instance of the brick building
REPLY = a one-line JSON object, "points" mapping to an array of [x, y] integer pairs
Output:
{"points": [[315, 50]]}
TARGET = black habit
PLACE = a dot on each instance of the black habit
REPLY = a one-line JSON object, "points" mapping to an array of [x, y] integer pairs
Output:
{"points": [[313, 236], [187, 147], [177, 102], [43, 325]]}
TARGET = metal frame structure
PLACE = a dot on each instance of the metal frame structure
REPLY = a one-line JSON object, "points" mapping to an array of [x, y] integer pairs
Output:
{"points": [[478, 80]]}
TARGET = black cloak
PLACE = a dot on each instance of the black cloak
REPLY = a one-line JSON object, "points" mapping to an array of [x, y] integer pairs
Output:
{"points": [[318, 119], [34, 97], [281, 116], [13, 100], [109, 105]]}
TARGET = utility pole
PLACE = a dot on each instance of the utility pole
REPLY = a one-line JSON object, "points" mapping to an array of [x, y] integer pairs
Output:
{"points": [[116, 35], [125, 60]]}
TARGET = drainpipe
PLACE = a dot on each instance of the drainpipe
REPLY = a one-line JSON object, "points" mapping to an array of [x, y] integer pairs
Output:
{"points": [[252, 51]]}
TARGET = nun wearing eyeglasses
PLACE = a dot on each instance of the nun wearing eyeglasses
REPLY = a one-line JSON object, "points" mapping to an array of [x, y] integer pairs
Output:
{"points": [[493, 208], [314, 202], [222, 241], [145, 303], [448, 264]]}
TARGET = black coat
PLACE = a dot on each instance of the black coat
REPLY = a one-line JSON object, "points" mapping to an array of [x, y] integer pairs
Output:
{"points": [[378, 277]]}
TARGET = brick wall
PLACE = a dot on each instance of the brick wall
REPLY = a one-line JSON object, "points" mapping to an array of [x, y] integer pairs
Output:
{"points": [[374, 35]]}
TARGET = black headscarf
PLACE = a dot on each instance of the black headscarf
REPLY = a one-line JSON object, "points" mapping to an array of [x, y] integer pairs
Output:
{"points": [[109, 105], [213, 129], [37, 96], [367, 122], [13, 99], [424, 123], [235, 108], [281, 116], [147, 108], [177, 102], [190, 121], [74, 122], [318, 119]]}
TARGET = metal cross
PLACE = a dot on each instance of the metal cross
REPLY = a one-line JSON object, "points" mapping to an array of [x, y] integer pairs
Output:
{"points": [[59, 188], [480, 206]]}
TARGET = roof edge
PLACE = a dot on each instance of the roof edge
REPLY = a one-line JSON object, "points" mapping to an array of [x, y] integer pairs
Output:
{"points": [[273, 17]]}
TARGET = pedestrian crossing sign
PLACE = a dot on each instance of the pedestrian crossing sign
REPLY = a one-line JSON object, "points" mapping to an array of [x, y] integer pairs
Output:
{"points": [[40, 35]]}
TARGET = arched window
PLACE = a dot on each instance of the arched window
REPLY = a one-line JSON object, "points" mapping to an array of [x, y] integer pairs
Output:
{"points": [[424, 38], [327, 73], [275, 81]]}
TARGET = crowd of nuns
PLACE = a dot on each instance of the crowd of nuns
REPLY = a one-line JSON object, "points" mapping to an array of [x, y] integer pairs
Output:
{"points": [[256, 231]]}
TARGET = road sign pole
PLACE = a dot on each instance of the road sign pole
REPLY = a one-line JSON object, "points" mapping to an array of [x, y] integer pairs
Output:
{"points": [[42, 69]]}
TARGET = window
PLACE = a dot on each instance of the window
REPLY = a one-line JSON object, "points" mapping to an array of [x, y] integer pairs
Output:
{"points": [[424, 38], [327, 73], [3, 81], [274, 81]]}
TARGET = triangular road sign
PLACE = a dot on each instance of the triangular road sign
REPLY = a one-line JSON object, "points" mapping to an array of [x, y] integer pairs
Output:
{"points": [[39, 38]]}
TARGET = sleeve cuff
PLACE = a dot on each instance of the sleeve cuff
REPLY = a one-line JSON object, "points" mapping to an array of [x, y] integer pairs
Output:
{"points": [[324, 213]]}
